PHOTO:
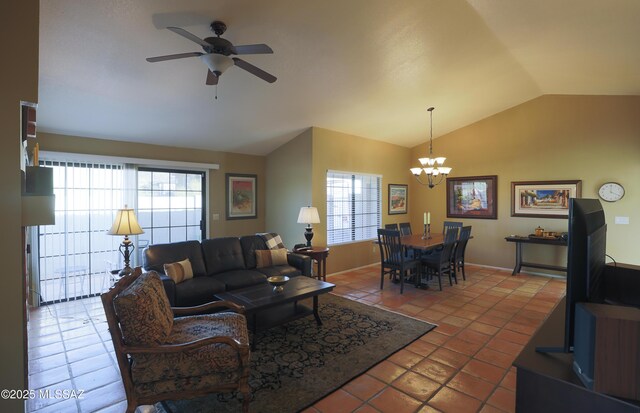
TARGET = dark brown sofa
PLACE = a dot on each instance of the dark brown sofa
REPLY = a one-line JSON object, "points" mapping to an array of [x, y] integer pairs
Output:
{"points": [[219, 264]]}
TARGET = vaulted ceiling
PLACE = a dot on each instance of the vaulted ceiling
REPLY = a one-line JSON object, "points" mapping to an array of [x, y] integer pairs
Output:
{"points": [[364, 67]]}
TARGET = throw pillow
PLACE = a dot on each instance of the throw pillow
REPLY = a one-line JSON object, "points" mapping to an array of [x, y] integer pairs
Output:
{"points": [[144, 311], [179, 271], [269, 258]]}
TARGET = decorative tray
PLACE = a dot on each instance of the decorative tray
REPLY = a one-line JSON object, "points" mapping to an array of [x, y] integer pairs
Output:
{"points": [[544, 237]]}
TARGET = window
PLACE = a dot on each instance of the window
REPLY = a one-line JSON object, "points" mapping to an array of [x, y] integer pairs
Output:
{"points": [[170, 205], [353, 207]]}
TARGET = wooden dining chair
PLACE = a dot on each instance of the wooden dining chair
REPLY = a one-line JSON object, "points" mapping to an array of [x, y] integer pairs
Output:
{"points": [[458, 254], [450, 224], [439, 263], [393, 258], [392, 227], [405, 229]]}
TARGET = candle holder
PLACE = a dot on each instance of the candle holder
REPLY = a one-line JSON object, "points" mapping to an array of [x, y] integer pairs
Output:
{"points": [[426, 234]]}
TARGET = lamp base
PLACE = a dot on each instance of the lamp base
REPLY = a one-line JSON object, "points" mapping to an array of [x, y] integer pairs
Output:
{"points": [[308, 234], [125, 271]]}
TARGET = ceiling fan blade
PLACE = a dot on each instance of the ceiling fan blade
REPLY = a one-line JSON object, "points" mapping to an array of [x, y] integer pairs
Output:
{"points": [[192, 37], [212, 79], [253, 49], [173, 56], [254, 70]]}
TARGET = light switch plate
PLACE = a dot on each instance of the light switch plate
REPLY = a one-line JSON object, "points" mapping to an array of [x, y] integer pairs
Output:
{"points": [[216, 217], [622, 220]]}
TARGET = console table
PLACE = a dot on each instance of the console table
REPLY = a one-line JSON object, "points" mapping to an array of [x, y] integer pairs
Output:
{"points": [[519, 240]]}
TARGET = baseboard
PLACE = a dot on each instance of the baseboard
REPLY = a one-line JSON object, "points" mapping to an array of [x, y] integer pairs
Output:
{"points": [[542, 274]]}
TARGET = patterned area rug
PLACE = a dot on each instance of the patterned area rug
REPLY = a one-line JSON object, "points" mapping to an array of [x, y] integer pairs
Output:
{"points": [[296, 364]]}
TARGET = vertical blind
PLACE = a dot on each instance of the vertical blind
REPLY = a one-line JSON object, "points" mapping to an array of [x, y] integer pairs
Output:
{"points": [[73, 252], [353, 206]]}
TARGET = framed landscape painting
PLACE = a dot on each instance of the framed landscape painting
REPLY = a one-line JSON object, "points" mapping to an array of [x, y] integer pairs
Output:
{"points": [[543, 199], [473, 197], [241, 196], [398, 200]]}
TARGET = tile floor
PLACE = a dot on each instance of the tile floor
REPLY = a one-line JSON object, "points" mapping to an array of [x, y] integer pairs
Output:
{"points": [[464, 365]]}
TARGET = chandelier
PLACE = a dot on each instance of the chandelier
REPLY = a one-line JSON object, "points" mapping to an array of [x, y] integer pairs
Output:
{"points": [[432, 167]]}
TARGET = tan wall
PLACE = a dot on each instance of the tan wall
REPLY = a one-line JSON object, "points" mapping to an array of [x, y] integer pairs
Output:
{"points": [[342, 152], [19, 79], [592, 138], [229, 162], [289, 188]]}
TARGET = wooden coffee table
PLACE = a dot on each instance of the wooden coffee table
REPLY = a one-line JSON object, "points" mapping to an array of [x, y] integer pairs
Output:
{"points": [[265, 308]]}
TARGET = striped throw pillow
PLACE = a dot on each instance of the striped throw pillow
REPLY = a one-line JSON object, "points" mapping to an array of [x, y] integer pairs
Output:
{"points": [[269, 258], [179, 271]]}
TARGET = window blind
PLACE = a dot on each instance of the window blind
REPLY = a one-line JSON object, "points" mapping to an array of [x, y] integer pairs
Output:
{"points": [[353, 206]]}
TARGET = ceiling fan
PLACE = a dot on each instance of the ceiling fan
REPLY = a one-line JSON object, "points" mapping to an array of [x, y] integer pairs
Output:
{"points": [[216, 54]]}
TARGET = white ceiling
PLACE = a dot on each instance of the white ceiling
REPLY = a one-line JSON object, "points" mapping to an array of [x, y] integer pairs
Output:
{"points": [[364, 67]]}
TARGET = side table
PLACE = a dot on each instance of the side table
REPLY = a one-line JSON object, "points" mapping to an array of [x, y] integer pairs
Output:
{"points": [[319, 254]]}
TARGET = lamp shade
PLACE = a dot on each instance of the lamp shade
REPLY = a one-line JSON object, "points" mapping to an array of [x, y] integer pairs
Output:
{"points": [[125, 223], [308, 215]]}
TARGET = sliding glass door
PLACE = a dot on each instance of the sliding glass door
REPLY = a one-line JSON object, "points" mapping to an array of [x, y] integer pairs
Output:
{"points": [[170, 205], [76, 255]]}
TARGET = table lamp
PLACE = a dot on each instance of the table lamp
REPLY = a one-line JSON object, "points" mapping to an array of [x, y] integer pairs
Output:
{"points": [[308, 215], [126, 224]]}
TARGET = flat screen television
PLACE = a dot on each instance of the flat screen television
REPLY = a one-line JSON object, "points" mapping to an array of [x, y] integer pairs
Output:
{"points": [[586, 252]]}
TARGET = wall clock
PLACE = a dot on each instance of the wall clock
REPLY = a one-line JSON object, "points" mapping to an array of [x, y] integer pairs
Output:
{"points": [[611, 191]]}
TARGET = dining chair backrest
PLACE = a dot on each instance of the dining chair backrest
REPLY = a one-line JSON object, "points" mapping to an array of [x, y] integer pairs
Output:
{"points": [[405, 229], [450, 224], [390, 247], [393, 227], [465, 234], [449, 243]]}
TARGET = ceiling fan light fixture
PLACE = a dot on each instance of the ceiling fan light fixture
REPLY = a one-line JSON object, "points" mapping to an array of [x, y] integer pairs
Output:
{"points": [[217, 63]]}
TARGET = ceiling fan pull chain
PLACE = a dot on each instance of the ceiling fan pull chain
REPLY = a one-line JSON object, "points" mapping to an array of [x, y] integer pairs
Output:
{"points": [[216, 92]]}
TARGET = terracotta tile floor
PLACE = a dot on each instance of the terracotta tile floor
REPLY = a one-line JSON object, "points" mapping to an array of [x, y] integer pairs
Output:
{"points": [[464, 365]]}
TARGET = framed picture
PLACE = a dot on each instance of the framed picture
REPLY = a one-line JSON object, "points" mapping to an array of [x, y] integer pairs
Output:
{"points": [[473, 197], [398, 200], [242, 201], [543, 199]]}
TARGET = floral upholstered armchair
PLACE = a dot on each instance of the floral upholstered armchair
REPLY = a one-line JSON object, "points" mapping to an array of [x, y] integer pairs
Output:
{"points": [[166, 358]]}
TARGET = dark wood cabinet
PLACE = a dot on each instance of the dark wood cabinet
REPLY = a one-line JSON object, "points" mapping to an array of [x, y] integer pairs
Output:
{"points": [[546, 382]]}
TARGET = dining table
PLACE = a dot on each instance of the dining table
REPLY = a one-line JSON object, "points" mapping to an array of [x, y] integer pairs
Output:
{"points": [[416, 242]]}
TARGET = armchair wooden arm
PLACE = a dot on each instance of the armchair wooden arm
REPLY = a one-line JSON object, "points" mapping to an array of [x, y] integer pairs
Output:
{"points": [[191, 345], [182, 311]]}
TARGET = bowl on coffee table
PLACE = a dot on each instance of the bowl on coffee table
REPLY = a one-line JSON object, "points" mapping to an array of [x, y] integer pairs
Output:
{"points": [[278, 282]]}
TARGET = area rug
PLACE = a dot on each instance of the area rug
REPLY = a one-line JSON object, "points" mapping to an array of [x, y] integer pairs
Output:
{"points": [[296, 364]]}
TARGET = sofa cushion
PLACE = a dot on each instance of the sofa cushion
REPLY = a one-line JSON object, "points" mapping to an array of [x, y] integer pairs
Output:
{"points": [[215, 358], [155, 256], [222, 254], [240, 279], [269, 258], [179, 271], [144, 311], [197, 291], [251, 243], [287, 270]]}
